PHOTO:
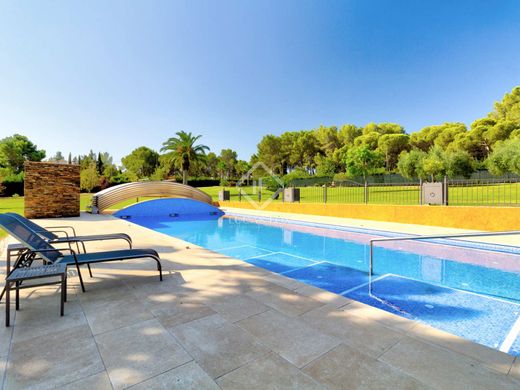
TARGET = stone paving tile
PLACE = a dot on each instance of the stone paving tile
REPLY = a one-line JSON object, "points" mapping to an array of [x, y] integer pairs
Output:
{"points": [[492, 358], [186, 377], [46, 362], [284, 300], [6, 334], [99, 381], [102, 284], [181, 313], [226, 281], [52, 292], [515, 370], [366, 335], [347, 368], [39, 317], [389, 320], [150, 289], [324, 296], [217, 345], [237, 307], [443, 369], [3, 367], [214, 285], [281, 280], [118, 309], [139, 352], [172, 303], [291, 337], [270, 373]]}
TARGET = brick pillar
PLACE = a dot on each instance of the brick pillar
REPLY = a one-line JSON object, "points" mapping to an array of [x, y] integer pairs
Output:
{"points": [[51, 190]]}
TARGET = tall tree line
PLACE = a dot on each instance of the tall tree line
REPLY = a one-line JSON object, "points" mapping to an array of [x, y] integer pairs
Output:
{"points": [[452, 149], [432, 152]]}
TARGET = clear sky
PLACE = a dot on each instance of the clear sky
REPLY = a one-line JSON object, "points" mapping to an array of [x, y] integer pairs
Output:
{"points": [[114, 75]]}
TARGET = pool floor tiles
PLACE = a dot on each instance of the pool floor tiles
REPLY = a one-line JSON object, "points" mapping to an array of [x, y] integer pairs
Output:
{"points": [[280, 262], [244, 252], [514, 335], [479, 318], [330, 277]]}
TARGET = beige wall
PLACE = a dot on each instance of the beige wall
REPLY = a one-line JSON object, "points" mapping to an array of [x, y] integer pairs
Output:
{"points": [[464, 217]]}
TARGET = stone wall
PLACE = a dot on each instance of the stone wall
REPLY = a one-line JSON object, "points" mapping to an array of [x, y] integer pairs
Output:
{"points": [[51, 190]]}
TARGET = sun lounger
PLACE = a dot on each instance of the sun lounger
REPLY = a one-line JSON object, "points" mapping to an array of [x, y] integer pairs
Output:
{"points": [[40, 248], [50, 235]]}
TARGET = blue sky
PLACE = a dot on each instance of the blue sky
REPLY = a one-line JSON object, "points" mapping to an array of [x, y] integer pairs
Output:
{"points": [[114, 75]]}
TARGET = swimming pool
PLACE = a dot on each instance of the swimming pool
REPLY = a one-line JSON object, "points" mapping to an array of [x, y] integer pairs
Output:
{"points": [[468, 289]]}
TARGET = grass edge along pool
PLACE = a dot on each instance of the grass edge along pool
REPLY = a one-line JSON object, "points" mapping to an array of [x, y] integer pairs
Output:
{"points": [[439, 286]]}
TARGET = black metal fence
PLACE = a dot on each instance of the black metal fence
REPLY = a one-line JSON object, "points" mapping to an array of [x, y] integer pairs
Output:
{"points": [[470, 192], [484, 192]]}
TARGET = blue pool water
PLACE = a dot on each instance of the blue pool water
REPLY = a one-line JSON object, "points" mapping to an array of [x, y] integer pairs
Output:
{"points": [[471, 292]]}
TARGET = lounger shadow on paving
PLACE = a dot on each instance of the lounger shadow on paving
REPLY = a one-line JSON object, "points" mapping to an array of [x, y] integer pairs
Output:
{"points": [[40, 248]]}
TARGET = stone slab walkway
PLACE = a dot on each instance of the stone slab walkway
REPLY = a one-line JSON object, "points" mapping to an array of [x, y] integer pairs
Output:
{"points": [[219, 323]]}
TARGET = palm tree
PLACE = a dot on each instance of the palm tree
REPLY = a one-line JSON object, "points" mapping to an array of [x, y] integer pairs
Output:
{"points": [[184, 152]]}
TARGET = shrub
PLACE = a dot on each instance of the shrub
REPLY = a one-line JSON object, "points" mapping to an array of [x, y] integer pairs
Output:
{"points": [[505, 158]]}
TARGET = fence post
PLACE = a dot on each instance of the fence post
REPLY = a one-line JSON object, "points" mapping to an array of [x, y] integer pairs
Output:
{"points": [[239, 194], [366, 192], [445, 191], [325, 193], [420, 192], [259, 193]]}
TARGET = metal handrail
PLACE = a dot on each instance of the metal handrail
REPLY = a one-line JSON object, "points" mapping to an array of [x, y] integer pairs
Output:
{"points": [[459, 235]]}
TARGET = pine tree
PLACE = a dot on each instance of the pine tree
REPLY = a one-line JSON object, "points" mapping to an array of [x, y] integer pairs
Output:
{"points": [[99, 164]]}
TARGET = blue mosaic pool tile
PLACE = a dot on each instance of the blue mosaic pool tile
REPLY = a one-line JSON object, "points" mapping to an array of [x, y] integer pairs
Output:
{"points": [[479, 318], [280, 262], [244, 252], [330, 277], [515, 348]]}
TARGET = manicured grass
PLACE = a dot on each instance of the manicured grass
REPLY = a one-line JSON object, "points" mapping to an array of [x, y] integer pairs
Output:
{"points": [[129, 202], [15, 205], [11, 205], [497, 194]]}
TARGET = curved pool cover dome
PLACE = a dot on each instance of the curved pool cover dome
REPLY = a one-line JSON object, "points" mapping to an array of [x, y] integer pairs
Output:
{"points": [[179, 208], [169, 189]]}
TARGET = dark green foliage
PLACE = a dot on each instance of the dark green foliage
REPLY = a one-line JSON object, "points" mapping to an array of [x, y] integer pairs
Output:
{"points": [[183, 153], [141, 163], [361, 161], [505, 158], [17, 149]]}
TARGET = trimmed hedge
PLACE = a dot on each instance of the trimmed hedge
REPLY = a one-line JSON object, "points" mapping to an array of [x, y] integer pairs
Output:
{"points": [[11, 188], [204, 182]]}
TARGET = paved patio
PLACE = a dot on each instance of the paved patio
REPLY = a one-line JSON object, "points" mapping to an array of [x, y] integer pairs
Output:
{"points": [[217, 322]]}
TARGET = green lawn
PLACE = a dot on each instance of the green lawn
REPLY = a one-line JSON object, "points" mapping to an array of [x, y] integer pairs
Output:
{"points": [[499, 194], [15, 205]]}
